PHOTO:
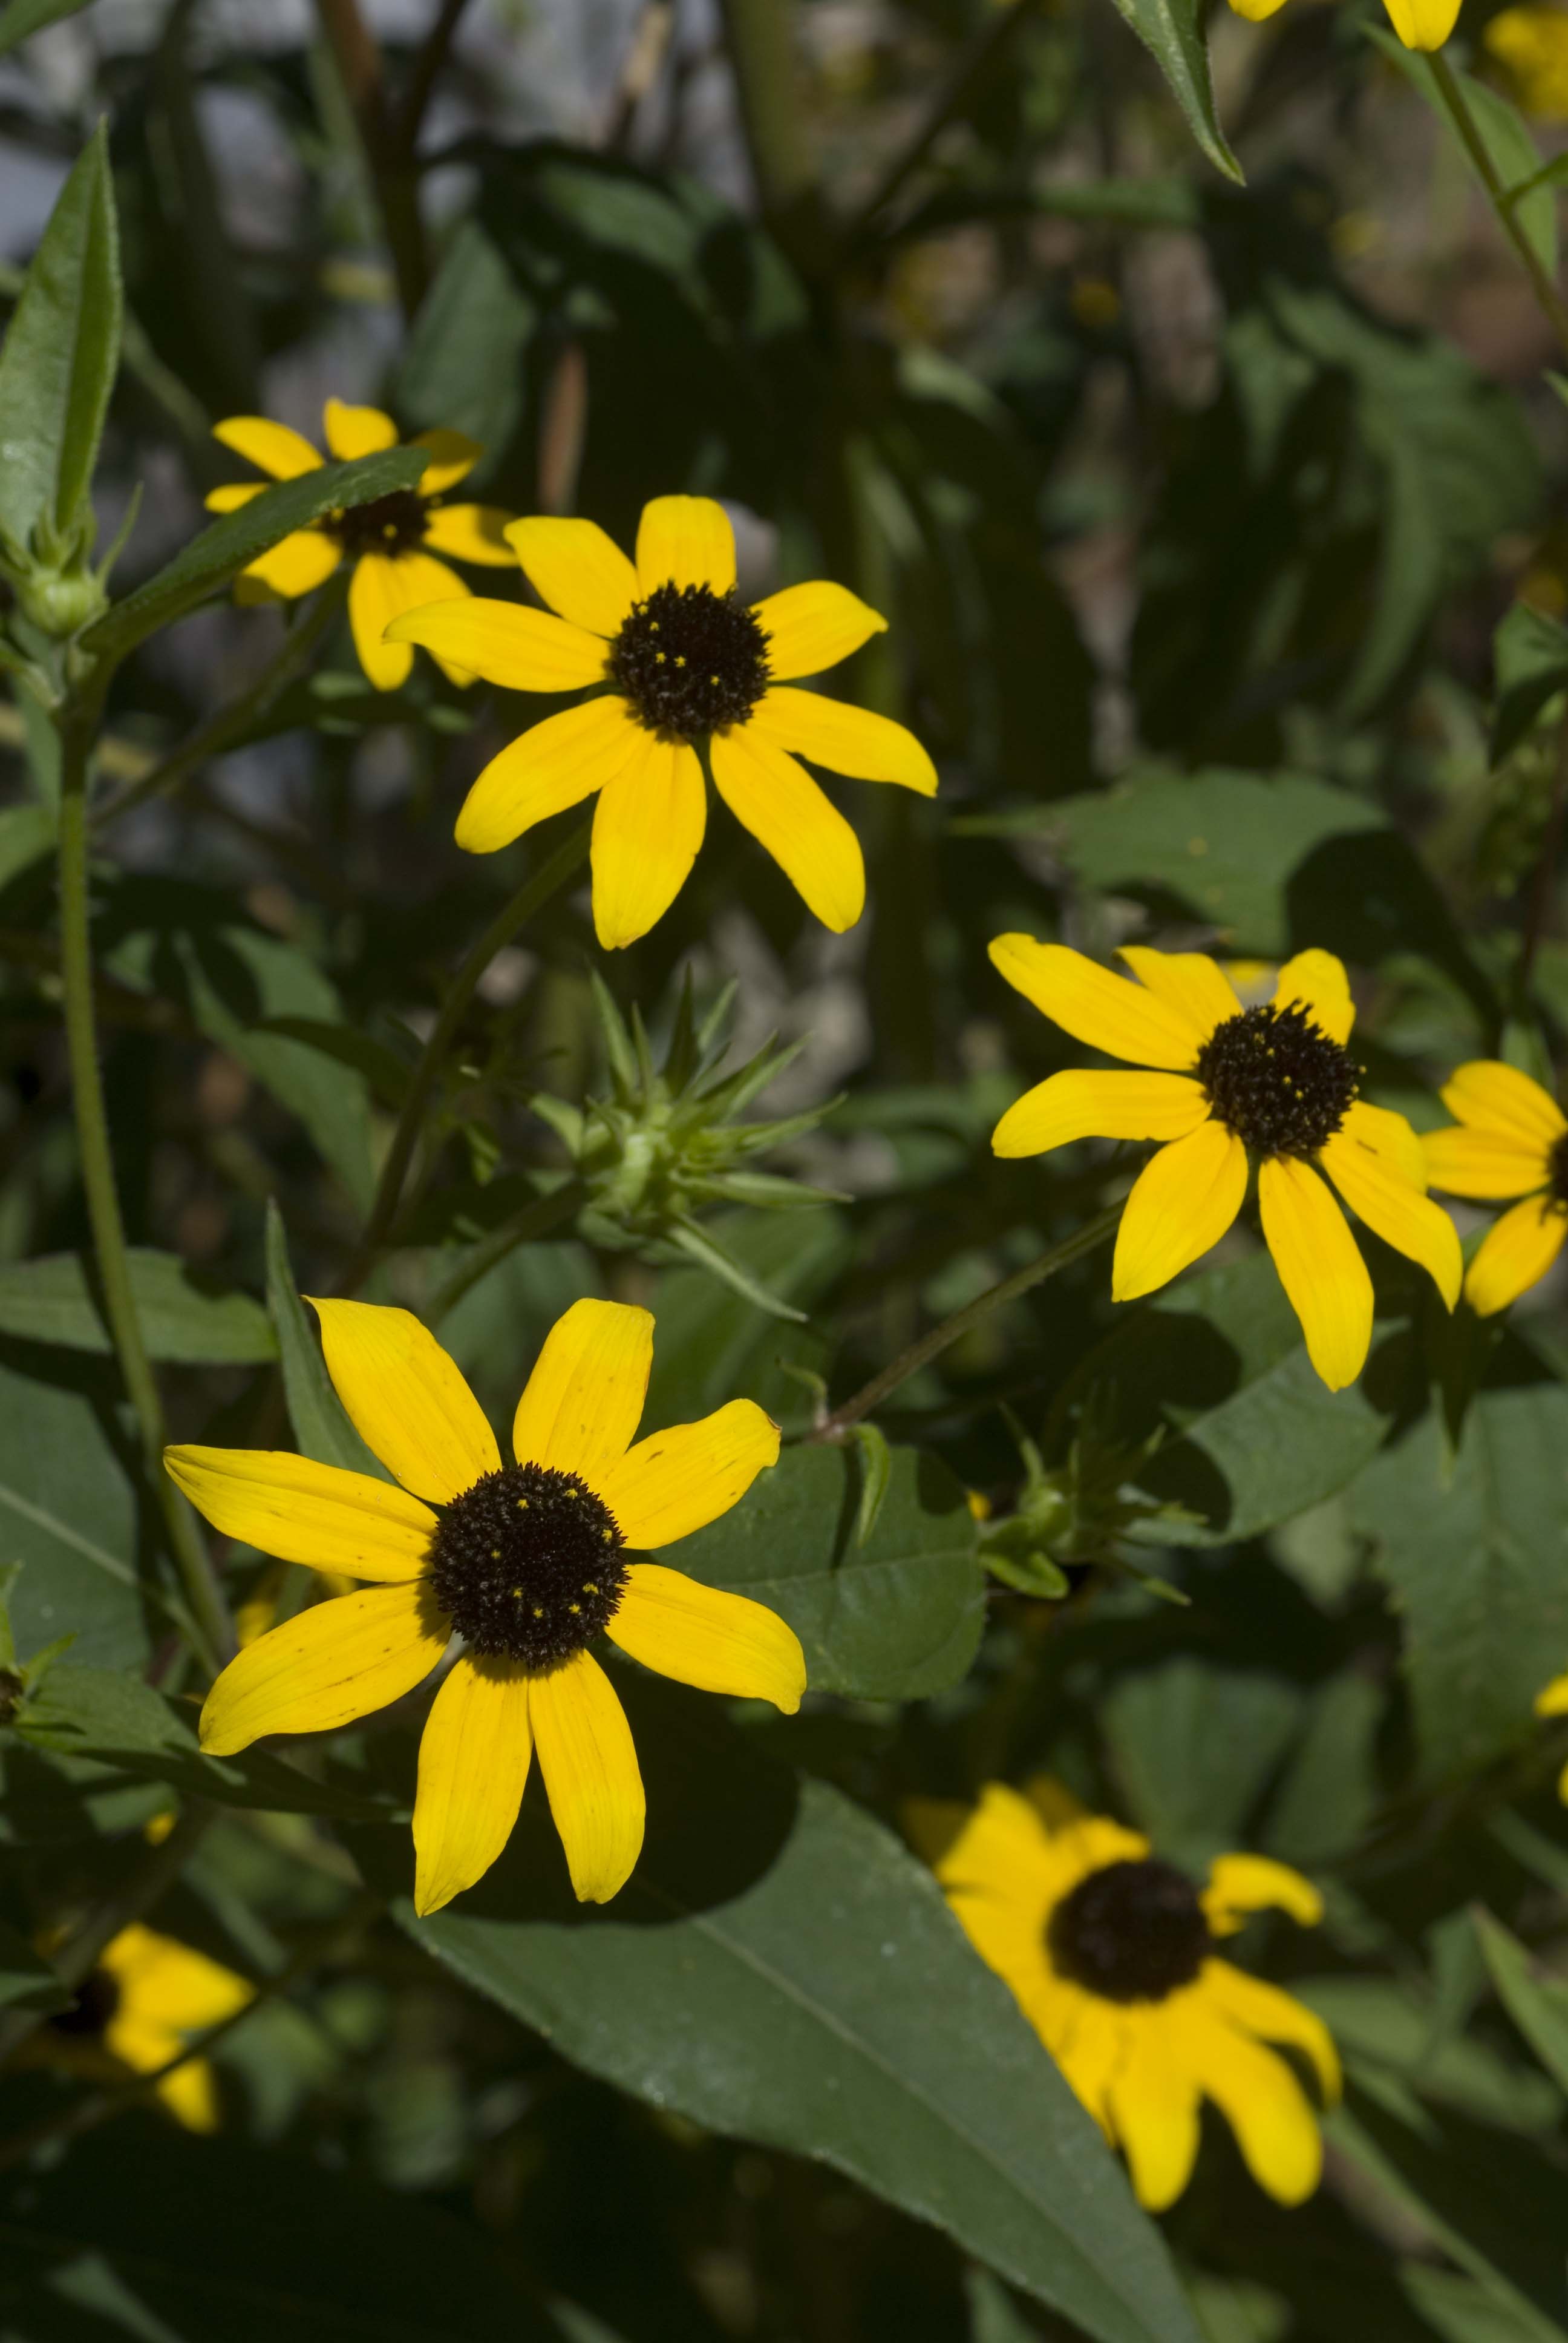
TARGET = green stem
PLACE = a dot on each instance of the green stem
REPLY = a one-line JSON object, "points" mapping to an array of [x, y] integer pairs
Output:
{"points": [[97, 1167], [1551, 305], [538, 1219], [952, 1330], [568, 858], [758, 36]]}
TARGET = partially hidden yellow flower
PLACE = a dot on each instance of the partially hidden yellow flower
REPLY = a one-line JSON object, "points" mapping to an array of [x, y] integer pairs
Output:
{"points": [[1508, 1139], [1554, 1702], [673, 659], [393, 542], [147, 1994], [1110, 1954], [1419, 24], [1532, 46], [1274, 1082], [528, 1563]]}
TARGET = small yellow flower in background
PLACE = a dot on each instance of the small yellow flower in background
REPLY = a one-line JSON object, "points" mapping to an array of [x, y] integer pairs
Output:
{"points": [[147, 1994], [1110, 1954], [677, 660], [1419, 24], [527, 1563], [393, 542], [1509, 1139], [1532, 46], [1554, 1702], [1274, 1082]]}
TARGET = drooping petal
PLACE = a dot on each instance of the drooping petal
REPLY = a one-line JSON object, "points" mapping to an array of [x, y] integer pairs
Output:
{"points": [[580, 1407], [719, 1641], [1090, 1105], [676, 1482], [297, 564], [1262, 2009], [648, 827], [522, 649], [405, 1398], [473, 1757], [785, 811], [846, 739], [685, 541], [813, 626], [232, 498], [553, 765], [385, 586], [578, 568], [1423, 24], [1498, 1098], [304, 1512], [322, 1669], [589, 1765], [1316, 981], [1320, 1268], [1182, 1203], [271, 446], [1153, 2102], [1191, 983], [470, 533], [1514, 1254], [1125, 1021], [1241, 1883], [1259, 2096], [1467, 1160], [453, 457], [1399, 1212], [352, 431], [1388, 1134]]}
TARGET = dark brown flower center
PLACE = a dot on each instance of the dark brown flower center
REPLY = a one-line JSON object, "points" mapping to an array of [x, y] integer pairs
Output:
{"points": [[1557, 1170], [394, 524], [690, 661], [1130, 1932], [97, 1999], [1277, 1081], [528, 1564]]}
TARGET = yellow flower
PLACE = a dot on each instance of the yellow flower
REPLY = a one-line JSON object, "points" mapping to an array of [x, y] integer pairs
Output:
{"points": [[676, 659], [1110, 1955], [392, 543], [1275, 1081], [527, 1563], [1554, 1702], [145, 1996], [1508, 1142], [1532, 44], [1419, 24]]}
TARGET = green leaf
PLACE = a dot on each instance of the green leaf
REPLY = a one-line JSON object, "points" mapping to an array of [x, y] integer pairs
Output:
{"points": [[27, 1979], [463, 368], [68, 1507], [711, 1346], [1389, 2028], [1172, 33], [61, 352], [22, 19], [1193, 1746], [774, 1970], [1510, 146], [214, 558], [1462, 2311], [183, 1317], [1328, 1795], [894, 1618], [383, 1069], [320, 1421], [875, 1472], [27, 835], [1530, 658], [1537, 2003]]}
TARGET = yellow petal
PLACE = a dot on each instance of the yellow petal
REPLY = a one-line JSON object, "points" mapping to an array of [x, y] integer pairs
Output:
{"points": [[329, 1665], [233, 498], [1468, 1160], [304, 1512], [271, 446], [809, 628], [1153, 2102], [452, 457], [405, 1398], [190, 2095], [524, 650], [1191, 983], [648, 826], [385, 586], [578, 569], [354, 431], [1423, 24], [470, 533], [1125, 1021], [553, 765], [474, 1757], [1553, 1700], [1259, 2096], [1498, 1098], [1263, 2009], [846, 739], [779, 802], [589, 1765], [580, 1407], [1388, 1134], [1256, 11], [296, 564], [685, 541], [1240, 1883], [1514, 1254], [718, 1642], [1182, 1203], [1092, 1105], [1320, 1268], [1001, 1847], [678, 1480], [1398, 1212], [1091, 2054], [169, 1987], [1316, 981]]}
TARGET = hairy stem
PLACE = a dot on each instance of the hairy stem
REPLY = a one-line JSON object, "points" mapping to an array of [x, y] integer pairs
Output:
{"points": [[1550, 300]]}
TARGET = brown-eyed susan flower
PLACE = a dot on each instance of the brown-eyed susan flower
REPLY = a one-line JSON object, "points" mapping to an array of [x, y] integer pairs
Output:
{"points": [[529, 1563], [1112, 1956], [673, 660], [1419, 24], [1509, 1139], [147, 1994], [394, 543], [1274, 1083]]}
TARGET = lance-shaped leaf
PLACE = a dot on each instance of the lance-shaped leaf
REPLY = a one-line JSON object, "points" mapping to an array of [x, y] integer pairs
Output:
{"points": [[1172, 31]]}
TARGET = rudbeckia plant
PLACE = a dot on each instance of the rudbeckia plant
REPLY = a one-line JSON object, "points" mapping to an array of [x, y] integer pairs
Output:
{"points": [[1509, 1139], [146, 1994]]}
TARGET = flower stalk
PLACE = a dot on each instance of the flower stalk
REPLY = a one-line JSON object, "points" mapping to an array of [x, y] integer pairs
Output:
{"points": [[1502, 200]]}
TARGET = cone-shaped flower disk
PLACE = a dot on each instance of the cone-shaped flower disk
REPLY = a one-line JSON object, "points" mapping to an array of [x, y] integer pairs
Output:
{"points": [[673, 659], [1273, 1083], [394, 543], [1112, 1956], [1419, 24], [1510, 1139], [529, 1563], [147, 1994]]}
